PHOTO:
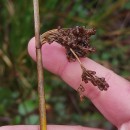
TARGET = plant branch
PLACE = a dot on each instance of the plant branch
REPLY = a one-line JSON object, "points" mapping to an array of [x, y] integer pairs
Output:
{"points": [[42, 108], [88, 75], [76, 57]]}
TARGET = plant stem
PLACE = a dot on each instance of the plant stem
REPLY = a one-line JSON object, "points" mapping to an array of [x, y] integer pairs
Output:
{"points": [[46, 34], [76, 56], [42, 108]]}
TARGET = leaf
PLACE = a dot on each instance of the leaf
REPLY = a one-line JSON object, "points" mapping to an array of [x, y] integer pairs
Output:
{"points": [[27, 107], [32, 119]]}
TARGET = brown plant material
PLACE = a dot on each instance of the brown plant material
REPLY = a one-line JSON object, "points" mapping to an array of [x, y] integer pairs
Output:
{"points": [[77, 38], [77, 44], [80, 90], [89, 75]]}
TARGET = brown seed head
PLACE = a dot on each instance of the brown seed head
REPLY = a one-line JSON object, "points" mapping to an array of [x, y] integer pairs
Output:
{"points": [[89, 75], [77, 38], [76, 42]]}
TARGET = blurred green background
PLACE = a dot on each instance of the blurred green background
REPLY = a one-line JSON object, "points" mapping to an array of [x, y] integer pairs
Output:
{"points": [[18, 82]]}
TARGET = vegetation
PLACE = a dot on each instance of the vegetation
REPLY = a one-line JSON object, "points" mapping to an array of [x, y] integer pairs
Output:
{"points": [[18, 83]]}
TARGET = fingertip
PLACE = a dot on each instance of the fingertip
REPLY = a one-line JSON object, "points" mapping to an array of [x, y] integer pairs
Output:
{"points": [[53, 56], [31, 48]]}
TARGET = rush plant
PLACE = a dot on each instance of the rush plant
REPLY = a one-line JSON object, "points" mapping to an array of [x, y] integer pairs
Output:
{"points": [[76, 43]]}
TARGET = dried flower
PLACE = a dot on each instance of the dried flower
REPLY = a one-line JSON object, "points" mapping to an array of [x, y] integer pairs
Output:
{"points": [[77, 38], [80, 90], [89, 75], [76, 42]]}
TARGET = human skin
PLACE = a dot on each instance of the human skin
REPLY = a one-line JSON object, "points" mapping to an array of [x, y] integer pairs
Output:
{"points": [[114, 103]]}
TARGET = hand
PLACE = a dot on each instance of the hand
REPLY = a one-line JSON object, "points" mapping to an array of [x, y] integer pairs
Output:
{"points": [[49, 127], [114, 103]]}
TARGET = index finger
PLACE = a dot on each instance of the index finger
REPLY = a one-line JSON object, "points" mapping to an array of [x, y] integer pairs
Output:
{"points": [[113, 103]]}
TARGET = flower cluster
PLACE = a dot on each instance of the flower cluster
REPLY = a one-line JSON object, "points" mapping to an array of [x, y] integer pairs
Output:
{"points": [[89, 75], [76, 38], [76, 42]]}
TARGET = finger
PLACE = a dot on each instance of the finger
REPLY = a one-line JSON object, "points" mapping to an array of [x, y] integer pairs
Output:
{"points": [[49, 127], [114, 103]]}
